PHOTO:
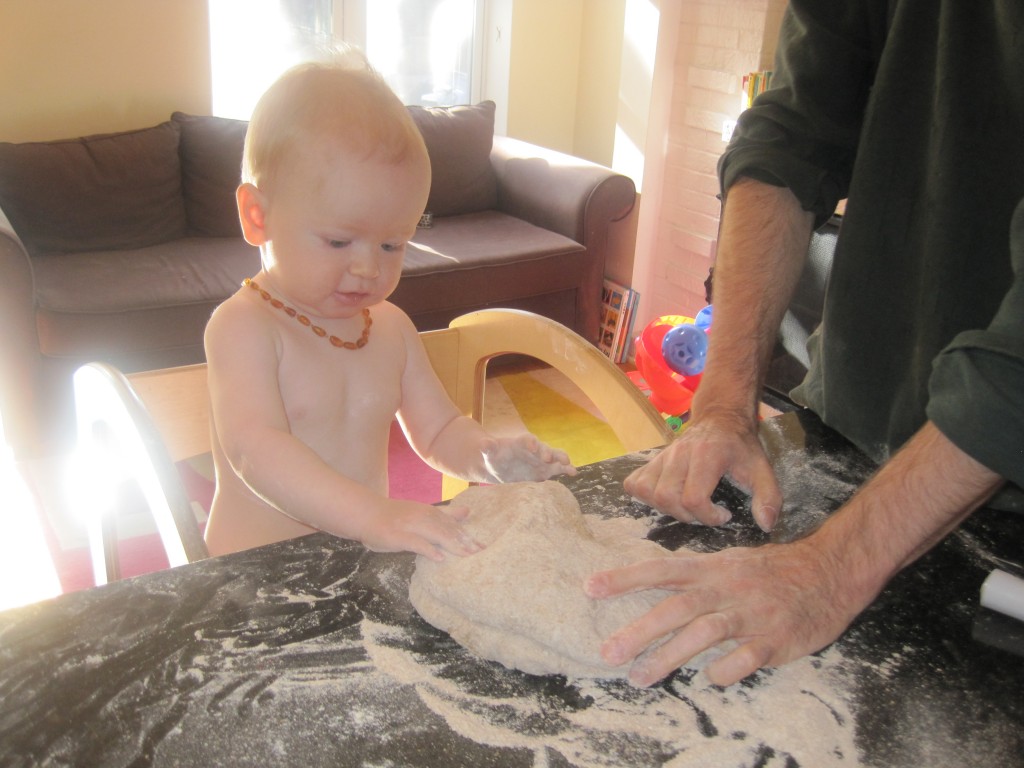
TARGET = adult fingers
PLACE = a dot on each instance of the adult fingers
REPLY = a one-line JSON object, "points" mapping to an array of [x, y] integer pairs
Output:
{"points": [[667, 616], [642, 481], [702, 633], [740, 662], [658, 572], [766, 496], [676, 483], [660, 482]]}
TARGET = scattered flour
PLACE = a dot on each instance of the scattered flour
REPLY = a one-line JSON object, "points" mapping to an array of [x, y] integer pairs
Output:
{"points": [[798, 714]]}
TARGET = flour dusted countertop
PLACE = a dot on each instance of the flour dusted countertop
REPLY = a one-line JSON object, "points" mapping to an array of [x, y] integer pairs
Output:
{"points": [[308, 653]]}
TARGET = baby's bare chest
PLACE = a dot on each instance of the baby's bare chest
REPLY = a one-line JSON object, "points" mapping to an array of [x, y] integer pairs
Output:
{"points": [[340, 390]]}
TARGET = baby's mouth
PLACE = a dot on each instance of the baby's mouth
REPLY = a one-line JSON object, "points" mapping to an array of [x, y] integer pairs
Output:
{"points": [[352, 297]]}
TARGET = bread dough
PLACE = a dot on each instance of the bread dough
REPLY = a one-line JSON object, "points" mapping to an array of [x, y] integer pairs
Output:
{"points": [[520, 601]]}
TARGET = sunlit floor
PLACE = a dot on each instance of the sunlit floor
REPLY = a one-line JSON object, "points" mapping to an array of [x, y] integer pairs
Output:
{"points": [[27, 572]]}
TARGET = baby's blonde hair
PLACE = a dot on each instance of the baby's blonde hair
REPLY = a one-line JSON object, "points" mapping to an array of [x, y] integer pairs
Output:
{"points": [[342, 103]]}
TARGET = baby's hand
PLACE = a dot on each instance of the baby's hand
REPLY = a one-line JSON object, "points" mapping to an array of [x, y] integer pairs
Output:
{"points": [[409, 526], [524, 457]]}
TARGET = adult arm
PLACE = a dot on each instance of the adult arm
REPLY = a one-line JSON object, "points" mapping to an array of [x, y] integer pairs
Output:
{"points": [[780, 602], [786, 167], [976, 390], [762, 247]]}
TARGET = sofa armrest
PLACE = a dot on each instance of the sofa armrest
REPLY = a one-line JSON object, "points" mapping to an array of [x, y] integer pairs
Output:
{"points": [[566, 194], [19, 346]]}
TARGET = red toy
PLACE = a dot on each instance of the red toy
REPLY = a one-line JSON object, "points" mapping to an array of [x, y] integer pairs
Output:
{"points": [[681, 341]]}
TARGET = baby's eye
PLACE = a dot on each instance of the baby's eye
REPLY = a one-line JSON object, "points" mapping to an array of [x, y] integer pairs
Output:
{"points": [[338, 243], [391, 247]]}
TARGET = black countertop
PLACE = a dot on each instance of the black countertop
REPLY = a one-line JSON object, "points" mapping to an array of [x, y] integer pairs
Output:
{"points": [[308, 653]]}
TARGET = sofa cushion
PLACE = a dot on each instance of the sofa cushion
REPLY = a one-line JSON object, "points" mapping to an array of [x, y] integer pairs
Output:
{"points": [[160, 297], [459, 142], [481, 239], [211, 169], [490, 259], [185, 271], [109, 191]]}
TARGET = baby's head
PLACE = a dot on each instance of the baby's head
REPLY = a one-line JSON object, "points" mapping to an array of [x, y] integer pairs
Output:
{"points": [[326, 108], [335, 177]]}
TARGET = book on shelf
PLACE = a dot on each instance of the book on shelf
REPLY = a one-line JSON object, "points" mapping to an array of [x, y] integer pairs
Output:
{"points": [[618, 313], [755, 84]]}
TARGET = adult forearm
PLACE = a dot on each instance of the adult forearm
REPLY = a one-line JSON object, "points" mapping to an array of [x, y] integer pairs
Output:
{"points": [[781, 601], [911, 504], [762, 248]]}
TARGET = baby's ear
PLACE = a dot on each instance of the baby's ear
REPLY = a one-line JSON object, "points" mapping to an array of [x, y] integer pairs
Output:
{"points": [[251, 213]]}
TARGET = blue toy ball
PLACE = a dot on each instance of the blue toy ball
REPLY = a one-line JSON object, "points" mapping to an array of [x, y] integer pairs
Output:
{"points": [[703, 319], [685, 348]]}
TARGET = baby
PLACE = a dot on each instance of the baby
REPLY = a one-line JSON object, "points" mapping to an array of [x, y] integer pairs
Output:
{"points": [[308, 362]]}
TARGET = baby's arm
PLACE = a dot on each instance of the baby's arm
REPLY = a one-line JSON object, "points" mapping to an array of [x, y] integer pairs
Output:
{"points": [[456, 444], [251, 428], [410, 526], [524, 457]]}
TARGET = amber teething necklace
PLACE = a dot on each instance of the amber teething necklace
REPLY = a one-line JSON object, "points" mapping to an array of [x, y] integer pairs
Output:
{"points": [[303, 320]]}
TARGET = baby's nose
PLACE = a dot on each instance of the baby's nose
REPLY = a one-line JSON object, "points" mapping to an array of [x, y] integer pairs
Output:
{"points": [[364, 265]]}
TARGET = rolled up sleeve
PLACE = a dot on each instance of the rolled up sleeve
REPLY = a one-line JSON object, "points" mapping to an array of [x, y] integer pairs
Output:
{"points": [[802, 133], [976, 389]]}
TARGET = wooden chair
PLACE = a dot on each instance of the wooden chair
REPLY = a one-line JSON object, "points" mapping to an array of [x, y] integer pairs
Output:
{"points": [[149, 421], [139, 427], [482, 336]]}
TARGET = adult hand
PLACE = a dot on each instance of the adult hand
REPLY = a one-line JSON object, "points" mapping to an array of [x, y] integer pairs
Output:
{"points": [[679, 481], [781, 601], [778, 602]]}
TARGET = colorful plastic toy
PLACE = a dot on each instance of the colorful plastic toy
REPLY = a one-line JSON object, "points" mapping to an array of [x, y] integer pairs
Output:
{"points": [[670, 354], [684, 349]]}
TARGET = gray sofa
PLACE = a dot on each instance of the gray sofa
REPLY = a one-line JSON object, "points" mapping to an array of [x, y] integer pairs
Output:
{"points": [[118, 247]]}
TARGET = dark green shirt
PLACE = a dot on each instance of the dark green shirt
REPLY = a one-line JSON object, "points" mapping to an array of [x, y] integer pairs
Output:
{"points": [[914, 110]]}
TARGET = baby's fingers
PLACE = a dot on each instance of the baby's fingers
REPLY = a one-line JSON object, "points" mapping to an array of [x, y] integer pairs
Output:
{"points": [[459, 513], [555, 460], [449, 536], [562, 462]]}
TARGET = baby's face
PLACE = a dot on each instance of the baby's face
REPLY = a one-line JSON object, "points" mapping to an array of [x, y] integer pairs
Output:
{"points": [[337, 229]]}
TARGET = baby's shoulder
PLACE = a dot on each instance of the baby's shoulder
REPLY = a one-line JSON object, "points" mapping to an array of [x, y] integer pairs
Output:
{"points": [[392, 319], [234, 319], [238, 307]]}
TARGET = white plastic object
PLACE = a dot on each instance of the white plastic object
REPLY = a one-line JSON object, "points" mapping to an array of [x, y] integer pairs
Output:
{"points": [[1004, 593]]}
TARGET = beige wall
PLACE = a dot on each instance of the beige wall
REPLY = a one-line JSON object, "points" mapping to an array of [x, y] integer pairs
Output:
{"points": [[74, 67], [544, 72], [597, 97], [566, 87]]}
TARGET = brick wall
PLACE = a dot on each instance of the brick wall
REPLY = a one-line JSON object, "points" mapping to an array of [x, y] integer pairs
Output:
{"points": [[716, 43]]}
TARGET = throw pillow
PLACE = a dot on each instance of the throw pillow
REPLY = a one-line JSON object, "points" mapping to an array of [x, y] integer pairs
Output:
{"points": [[459, 143], [105, 192], [211, 167]]}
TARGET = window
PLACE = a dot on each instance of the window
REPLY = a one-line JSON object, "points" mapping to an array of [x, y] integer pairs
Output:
{"points": [[427, 50], [253, 41]]}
